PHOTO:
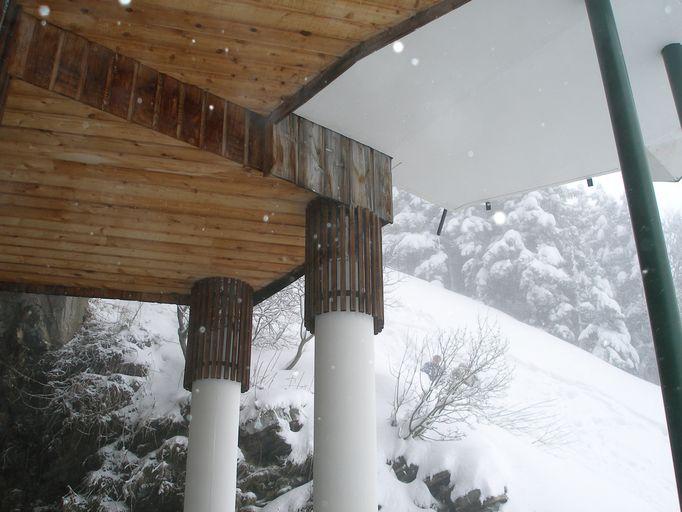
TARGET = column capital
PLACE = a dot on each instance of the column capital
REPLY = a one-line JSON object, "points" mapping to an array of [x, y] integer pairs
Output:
{"points": [[219, 337], [343, 266]]}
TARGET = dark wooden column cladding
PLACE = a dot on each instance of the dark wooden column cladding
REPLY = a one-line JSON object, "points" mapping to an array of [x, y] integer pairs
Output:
{"points": [[8, 14], [219, 340], [343, 268]]}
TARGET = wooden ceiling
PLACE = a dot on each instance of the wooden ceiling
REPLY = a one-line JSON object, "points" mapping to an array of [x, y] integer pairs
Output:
{"points": [[89, 199], [262, 55], [146, 146]]}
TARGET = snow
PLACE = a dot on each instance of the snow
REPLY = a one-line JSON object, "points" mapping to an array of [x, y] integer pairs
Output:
{"points": [[593, 437], [597, 439]]}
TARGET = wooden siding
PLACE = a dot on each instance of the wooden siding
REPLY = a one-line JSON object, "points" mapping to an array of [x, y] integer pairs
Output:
{"points": [[332, 165]]}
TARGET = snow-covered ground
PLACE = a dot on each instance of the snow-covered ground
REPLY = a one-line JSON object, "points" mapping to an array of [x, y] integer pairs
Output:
{"points": [[597, 441]]}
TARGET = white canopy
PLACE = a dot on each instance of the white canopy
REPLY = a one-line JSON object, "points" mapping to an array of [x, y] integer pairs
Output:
{"points": [[503, 96]]}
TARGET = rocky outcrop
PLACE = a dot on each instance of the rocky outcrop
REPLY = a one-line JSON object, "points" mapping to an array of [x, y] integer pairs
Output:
{"points": [[442, 488]]}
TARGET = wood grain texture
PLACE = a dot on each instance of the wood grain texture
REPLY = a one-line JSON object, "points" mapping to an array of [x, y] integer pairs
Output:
{"points": [[219, 336], [132, 215], [332, 165], [343, 268]]}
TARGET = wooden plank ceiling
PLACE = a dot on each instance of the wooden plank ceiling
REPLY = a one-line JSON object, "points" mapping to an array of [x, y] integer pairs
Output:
{"points": [[253, 53], [91, 200], [148, 145]]}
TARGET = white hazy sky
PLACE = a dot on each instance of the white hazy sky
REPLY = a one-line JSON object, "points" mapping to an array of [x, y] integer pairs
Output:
{"points": [[669, 195]]}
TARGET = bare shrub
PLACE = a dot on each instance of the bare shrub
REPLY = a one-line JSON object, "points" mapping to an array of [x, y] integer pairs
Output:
{"points": [[460, 389]]}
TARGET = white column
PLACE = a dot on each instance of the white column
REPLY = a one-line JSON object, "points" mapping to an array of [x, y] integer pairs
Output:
{"points": [[345, 453], [212, 454]]}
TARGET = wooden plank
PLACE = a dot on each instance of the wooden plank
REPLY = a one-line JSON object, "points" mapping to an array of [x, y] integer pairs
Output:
{"points": [[71, 65], [190, 119], [353, 256], [163, 206], [99, 293], [310, 156], [235, 132], [201, 264], [382, 186], [360, 175], [46, 275], [41, 220], [83, 177], [360, 255], [336, 166], [117, 101], [18, 50], [213, 119], [343, 256], [169, 106], [256, 140], [325, 259], [334, 260], [285, 148], [144, 97], [360, 51], [99, 61], [110, 216], [41, 54]]}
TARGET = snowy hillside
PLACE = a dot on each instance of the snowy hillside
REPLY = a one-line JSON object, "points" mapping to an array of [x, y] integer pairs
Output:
{"points": [[595, 440]]}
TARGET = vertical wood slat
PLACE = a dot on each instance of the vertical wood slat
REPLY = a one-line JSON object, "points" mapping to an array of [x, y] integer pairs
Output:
{"points": [[310, 156], [235, 126], [343, 226], [334, 259], [144, 96], [8, 38], [190, 120], [169, 106], [219, 341], [213, 121], [352, 257], [360, 249], [324, 256], [97, 67], [17, 49], [68, 72], [343, 261], [41, 54], [285, 149], [120, 87]]}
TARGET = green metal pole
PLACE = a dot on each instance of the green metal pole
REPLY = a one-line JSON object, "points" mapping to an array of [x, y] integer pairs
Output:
{"points": [[672, 55], [664, 312]]}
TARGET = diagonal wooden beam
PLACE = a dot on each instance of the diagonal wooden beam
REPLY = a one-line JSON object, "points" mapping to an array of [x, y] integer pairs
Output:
{"points": [[58, 60], [358, 52]]}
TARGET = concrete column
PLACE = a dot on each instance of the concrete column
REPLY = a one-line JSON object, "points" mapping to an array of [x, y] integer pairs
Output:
{"points": [[344, 309], [216, 371], [212, 458], [345, 460]]}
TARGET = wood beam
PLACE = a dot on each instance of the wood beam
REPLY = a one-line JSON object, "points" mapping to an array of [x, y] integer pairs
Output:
{"points": [[358, 52], [98, 293]]}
